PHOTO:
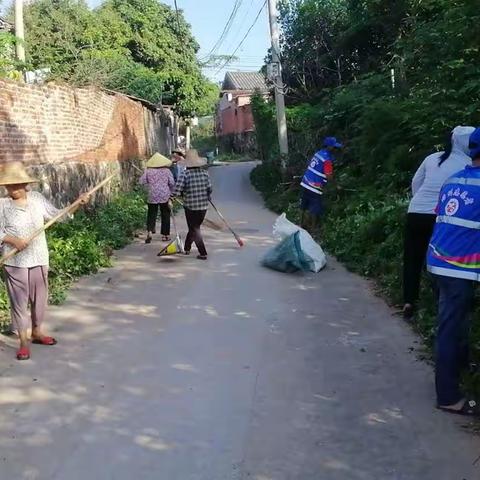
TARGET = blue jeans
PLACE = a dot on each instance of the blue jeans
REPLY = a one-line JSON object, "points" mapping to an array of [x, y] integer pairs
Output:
{"points": [[455, 303]]}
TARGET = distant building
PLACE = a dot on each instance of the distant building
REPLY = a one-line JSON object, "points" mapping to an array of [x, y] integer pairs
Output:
{"points": [[234, 123]]}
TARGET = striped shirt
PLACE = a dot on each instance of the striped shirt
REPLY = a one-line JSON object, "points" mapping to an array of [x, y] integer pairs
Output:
{"points": [[195, 187]]}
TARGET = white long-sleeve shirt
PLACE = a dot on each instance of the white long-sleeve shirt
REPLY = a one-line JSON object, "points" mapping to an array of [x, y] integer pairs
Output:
{"points": [[431, 176], [22, 222]]}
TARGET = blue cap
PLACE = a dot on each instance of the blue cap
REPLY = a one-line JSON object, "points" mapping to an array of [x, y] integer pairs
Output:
{"points": [[332, 142], [474, 143]]}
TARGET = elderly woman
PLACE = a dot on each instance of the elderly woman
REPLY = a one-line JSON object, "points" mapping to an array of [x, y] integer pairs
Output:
{"points": [[160, 183], [195, 188], [22, 213]]}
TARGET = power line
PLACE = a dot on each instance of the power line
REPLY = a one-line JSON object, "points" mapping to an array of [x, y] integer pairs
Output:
{"points": [[242, 22], [225, 31], [243, 39]]}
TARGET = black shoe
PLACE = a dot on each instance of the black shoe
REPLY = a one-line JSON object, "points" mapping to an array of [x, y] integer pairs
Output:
{"points": [[148, 240]]}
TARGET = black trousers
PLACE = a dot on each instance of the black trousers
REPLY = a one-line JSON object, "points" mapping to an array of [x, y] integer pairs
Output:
{"points": [[152, 215], [418, 231], [195, 219]]}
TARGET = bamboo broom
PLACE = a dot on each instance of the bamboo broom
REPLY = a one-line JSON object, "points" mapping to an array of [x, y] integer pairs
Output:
{"points": [[55, 219]]}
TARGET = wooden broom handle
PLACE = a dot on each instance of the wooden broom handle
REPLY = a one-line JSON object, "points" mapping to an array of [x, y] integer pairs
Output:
{"points": [[56, 218]]}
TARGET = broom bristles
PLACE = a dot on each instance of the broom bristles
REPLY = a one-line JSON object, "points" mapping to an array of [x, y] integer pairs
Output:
{"points": [[213, 225]]}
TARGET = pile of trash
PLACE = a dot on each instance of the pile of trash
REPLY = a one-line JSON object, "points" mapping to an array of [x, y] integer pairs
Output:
{"points": [[297, 250]]}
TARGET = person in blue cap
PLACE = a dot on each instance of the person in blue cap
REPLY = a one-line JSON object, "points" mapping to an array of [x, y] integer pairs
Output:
{"points": [[315, 178], [454, 261]]}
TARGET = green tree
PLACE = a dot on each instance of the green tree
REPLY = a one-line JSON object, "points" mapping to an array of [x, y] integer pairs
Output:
{"points": [[139, 47]]}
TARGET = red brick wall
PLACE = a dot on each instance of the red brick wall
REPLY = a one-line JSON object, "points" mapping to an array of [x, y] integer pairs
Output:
{"points": [[235, 120], [57, 124]]}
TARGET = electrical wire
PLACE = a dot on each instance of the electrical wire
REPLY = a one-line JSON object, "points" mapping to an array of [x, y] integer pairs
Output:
{"points": [[227, 61], [225, 31], [239, 29]]}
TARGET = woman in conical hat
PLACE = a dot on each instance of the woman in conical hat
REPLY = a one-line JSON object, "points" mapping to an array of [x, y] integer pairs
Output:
{"points": [[195, 187], [22, 213], [160, 183]]}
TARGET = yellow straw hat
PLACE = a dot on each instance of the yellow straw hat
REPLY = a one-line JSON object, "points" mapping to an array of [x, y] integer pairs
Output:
{"points": [[13, 173], [157, 160], [193, 159]]}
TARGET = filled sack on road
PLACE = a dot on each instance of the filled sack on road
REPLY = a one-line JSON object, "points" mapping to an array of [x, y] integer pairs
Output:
{"points": [[312, 252], [287, 256]]}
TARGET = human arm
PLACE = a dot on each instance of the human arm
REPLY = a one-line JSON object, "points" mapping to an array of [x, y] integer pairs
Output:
{"points": [[16, 242], [209, 187], [418, 178], [180, 186], [171, 181], [143, 180], [328, 170], [50, 211]]}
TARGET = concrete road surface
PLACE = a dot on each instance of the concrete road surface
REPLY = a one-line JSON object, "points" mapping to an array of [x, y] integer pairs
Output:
{"points": [[174, 369]]}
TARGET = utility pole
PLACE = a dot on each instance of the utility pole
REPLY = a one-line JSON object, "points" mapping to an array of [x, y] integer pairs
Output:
{"points": [[188, 131], [19, 31], [278, 83]]}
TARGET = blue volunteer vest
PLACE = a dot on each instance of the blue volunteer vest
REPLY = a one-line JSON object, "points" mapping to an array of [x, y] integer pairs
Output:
{"points": [[454, 249], [315, 178]]}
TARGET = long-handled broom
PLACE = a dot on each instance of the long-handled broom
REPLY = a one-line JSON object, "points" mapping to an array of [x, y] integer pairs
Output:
{"points": [[237, 238], [176, 245]]}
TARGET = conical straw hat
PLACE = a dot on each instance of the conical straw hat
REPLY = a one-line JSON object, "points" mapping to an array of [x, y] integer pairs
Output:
{"points": [[193, 159], [13, 173], [157, 160]]}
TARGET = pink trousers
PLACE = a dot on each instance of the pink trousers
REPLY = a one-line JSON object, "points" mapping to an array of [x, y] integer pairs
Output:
{"points": [[24, 286]]}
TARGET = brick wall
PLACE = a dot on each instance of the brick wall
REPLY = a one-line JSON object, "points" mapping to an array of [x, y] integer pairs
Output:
{"points": [[73, 137]]}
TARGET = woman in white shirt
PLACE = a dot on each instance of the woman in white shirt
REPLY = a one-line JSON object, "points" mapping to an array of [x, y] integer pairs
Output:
{"points": [[22, 213], [426, 185]]}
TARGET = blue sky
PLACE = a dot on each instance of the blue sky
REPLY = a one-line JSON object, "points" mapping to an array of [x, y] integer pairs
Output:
{"points": [[208, 18]]}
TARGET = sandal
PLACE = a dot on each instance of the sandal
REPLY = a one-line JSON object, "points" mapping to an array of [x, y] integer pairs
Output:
{"points": [[23, 353], [166, 238], [470, 409], [148, 240], [47, 341], [187, 252]]}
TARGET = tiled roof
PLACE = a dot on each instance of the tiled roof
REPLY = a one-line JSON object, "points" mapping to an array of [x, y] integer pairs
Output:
{"points": [[248, 81], [4, 25]]}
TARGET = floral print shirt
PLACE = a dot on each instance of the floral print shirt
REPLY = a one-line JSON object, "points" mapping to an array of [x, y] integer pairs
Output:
{"points": [[160, 184], [21, 222]]}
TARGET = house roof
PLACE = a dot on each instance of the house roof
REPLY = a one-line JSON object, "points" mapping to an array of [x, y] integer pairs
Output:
{"points": [[244, 81], [5, 26]]}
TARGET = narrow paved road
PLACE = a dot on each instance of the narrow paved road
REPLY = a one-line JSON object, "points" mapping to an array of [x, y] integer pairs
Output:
{"points": [[173, 369]]}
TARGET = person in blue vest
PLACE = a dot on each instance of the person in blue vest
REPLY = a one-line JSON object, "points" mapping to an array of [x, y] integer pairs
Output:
{"points": [[454, 260], [315, 178]]}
